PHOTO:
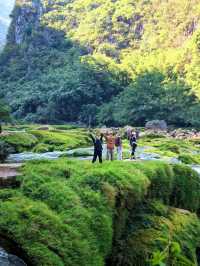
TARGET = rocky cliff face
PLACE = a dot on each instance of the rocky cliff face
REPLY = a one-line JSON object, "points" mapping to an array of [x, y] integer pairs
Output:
{"points": [[26, 19]]}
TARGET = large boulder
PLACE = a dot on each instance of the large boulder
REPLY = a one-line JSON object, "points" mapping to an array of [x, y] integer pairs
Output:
{"points": [[156, 125]]}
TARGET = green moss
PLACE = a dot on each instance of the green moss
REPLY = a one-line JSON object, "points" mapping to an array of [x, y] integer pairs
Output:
{"points": [[167, 146], [160, 235], [65, 127], [70, 212], [40, 148], [46, 140], [189, 158], [20, 141], [62, 140]]}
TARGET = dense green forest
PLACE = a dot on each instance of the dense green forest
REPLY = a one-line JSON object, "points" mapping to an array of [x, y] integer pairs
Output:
{"points": [[107, 62]]}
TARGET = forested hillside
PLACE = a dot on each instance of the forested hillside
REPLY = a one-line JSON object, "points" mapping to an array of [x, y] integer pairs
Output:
{"points": [[110, 62]]}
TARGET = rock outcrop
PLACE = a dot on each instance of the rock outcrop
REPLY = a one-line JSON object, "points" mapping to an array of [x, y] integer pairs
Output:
{"points": [[156, 125]]}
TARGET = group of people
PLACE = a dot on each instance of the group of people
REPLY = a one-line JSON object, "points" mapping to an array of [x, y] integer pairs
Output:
{"points": [[113, 142]]}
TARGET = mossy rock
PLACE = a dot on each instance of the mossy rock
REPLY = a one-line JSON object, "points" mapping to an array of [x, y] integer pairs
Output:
{"points": [[189, 158], [41, 148], [69, 212], [62, 140], [20, 141], [159, 235]]}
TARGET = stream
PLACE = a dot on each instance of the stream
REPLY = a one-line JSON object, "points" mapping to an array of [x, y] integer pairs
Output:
{"points": [[86, 154]]}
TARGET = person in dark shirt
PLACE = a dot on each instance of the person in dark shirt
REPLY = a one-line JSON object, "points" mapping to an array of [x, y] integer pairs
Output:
{"points": [[98, 147], [118, 145], [133, 144]]}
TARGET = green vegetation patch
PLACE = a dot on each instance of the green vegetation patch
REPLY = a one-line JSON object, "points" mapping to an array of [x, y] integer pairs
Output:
{"points": [[46, 140], [20, 141], [70, 212], [159, 235], [168, 146], [189, 158], [61, 140]]}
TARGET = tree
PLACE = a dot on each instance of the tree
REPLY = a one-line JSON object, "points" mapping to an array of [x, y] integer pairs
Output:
{"points": [[151, 96], [4, 114]]}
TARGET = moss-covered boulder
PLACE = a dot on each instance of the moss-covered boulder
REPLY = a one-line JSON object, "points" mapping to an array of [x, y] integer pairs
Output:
{"points": [[189, 158], [73, 213], [41, 148], [20, 141], [62, 140], [158, 235]]}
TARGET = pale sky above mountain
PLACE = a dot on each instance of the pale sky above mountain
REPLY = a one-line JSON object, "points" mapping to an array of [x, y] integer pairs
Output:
{"points": [[6, 7]]}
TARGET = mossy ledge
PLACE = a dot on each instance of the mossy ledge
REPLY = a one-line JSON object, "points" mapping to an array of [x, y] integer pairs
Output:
{"points": [[68, 212]]}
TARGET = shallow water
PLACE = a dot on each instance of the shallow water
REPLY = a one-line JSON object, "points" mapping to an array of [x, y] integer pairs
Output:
{"points": [[28, 156], [86, 154], [7, 259], [196, 168]]}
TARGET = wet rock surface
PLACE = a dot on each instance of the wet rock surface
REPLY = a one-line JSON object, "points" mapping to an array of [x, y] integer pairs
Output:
{"points": [[10, 260], [8, 175], [10, 254]]}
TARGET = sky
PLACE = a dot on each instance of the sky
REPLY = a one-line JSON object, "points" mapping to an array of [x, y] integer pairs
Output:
{"points": [[6, 7]]}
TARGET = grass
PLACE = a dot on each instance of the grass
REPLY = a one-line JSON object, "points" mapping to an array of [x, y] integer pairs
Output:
{"points": [[70, 212]]}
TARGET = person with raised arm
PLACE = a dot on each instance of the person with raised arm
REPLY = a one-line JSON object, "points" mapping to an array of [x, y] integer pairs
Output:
{"points": [[98, 147]]}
